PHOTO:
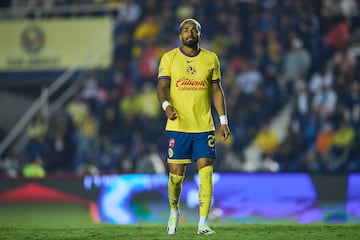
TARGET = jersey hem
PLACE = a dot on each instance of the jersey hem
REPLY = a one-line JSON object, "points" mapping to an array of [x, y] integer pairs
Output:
{"points": [[185, 131]]}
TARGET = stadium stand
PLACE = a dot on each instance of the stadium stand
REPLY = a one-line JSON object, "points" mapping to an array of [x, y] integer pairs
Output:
{"points": [[302, 56]]}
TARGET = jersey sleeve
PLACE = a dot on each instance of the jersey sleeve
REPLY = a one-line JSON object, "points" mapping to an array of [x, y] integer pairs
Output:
{"points": [[216, 77], [164, 67]]}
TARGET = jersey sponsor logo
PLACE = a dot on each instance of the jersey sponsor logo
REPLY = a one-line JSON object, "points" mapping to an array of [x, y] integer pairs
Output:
{"points": [[189, 84]]}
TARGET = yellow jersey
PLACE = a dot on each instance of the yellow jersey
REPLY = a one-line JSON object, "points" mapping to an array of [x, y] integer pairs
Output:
{"points": [[190, 83]]}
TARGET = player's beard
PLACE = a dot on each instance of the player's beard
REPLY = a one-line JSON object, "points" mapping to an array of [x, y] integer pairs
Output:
{"points": [[193, 43]]}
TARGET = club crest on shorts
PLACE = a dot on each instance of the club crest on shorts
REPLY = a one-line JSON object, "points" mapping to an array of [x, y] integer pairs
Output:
{"points": [[170, 152]]}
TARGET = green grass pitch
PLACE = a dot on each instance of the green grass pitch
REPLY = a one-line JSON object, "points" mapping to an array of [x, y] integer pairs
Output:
{"points": [[72, 221]]}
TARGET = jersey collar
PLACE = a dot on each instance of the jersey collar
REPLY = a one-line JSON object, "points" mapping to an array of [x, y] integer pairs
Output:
{"points": [[196, 53]]}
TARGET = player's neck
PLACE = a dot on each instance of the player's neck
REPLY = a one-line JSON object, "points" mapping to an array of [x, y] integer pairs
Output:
{"points": [[190, 51]]}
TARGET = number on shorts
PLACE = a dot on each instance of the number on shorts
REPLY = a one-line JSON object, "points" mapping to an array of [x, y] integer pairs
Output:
{"points": [[211, 140]]}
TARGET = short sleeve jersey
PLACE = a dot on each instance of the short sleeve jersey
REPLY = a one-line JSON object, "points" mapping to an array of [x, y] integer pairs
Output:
{"points": [[190, 83]]}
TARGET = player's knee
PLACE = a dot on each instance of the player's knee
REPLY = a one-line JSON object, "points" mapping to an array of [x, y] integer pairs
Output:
{"points": [[176, 179], [204, 162], [177, 169]]}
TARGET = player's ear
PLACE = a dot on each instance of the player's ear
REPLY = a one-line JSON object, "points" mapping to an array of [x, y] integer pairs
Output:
{"points": [[180, 37]]}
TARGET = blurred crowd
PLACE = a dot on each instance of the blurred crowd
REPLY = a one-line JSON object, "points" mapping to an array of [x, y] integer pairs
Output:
{"points": [[273, 54]]}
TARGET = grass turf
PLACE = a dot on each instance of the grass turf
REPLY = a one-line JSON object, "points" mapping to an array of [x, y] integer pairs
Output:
{"points": [[72, 221], [157, 231]]}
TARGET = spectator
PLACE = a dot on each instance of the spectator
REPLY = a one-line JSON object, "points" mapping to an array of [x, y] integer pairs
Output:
{"points": [[60, 152], [308, 29], [289, 150], [337, 37], [296, 64], [37, 127], [352, 102], [268, 142], [274, 50], [108, 155], [109, 126], [249, 79], [11, 165], [34, 169], [77, 109], [349, 8], [146, 102], [324, 142], [266, 21], [86, 136], [341, 86], [302, 105], [89, 90], [147, 28], [38, 146], [343, 145], [344, 62], [122, 52], [322, 77], [111, 136], [129, 13], [324, 103], [148, 61], [150, 162]]}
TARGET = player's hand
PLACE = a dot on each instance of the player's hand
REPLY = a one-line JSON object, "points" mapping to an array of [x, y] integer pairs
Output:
{"points": [[225, 132], [171, 112]]}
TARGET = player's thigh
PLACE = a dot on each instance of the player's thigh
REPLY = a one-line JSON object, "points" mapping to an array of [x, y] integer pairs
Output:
{"points": [[204, 146], [179, 147]]}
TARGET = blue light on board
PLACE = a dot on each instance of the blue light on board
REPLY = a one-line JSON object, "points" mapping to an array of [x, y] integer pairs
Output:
{"points": [[291, 196]]}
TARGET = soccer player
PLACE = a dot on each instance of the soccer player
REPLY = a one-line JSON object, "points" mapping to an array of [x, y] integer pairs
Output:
{"points": [[188, 78]]}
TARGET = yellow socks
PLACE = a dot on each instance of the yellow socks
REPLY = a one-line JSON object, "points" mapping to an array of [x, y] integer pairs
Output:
{"points": [[205, 190], [174, 190]]}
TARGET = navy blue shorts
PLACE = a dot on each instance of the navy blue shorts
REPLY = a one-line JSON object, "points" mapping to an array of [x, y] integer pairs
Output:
{"points": [[187, 147]]}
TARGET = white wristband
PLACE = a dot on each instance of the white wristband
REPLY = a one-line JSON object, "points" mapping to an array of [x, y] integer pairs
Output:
{"points": [[165, 104], [224, 120]]}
